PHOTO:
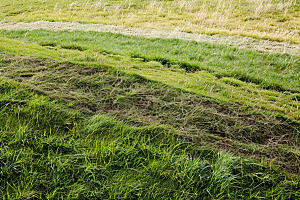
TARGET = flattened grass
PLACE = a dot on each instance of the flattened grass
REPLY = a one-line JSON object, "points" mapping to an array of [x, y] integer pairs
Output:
{"points": [[269, 81], [51, 147]]}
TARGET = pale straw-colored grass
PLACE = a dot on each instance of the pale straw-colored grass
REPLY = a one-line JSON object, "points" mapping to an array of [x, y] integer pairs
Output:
{"points": [[268, 19]]}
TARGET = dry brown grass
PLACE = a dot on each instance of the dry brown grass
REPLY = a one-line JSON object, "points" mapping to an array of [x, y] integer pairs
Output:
{"points": [[269, 19]]}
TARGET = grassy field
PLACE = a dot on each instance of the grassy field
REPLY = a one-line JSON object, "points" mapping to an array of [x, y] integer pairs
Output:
{"points": [[80, 123], [89, 115], [269, 81], [270, 19]]}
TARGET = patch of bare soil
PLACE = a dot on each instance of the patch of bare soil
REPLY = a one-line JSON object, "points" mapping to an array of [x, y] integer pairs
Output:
{"points": [[238, 41]]}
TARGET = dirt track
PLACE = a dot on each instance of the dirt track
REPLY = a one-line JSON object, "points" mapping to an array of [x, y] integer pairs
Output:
{"points": [[239, 41]]}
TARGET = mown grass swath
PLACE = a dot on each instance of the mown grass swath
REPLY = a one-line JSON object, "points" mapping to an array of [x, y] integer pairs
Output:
{"points": [[273, 71], [90, 131], [269, 81]]}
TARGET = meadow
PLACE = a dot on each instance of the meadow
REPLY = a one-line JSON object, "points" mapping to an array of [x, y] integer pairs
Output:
{"points": [[91, 115], [269, 19]]}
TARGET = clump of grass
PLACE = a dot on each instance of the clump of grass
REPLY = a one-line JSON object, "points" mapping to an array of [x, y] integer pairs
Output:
{"points": [[73, 46], [296, 97], [282, 19], [47, 43], [234, 82]]}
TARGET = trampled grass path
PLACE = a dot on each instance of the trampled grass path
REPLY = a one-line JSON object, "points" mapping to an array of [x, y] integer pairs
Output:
{"points": [[239, 41]]}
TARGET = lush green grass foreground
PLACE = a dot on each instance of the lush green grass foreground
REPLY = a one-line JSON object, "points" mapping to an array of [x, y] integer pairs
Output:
{"points": [[49, 151], [79, 120]]}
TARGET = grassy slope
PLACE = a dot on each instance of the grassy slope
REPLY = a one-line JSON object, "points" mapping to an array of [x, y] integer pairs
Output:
{"points": [[269, 81], [270, 19], [78, 124]]}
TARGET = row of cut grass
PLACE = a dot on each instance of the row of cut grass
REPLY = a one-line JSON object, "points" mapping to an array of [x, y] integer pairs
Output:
{"points": [[239, 76], [274, 71]]}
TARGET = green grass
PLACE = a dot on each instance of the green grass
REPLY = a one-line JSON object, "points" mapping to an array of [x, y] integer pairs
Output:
{"points": [[89, 115], [80, 122], [269, 81], [279, 72], [53, 148]]}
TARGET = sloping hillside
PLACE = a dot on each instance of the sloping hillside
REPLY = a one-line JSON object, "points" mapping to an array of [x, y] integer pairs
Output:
{"points": [[93, 111]]}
